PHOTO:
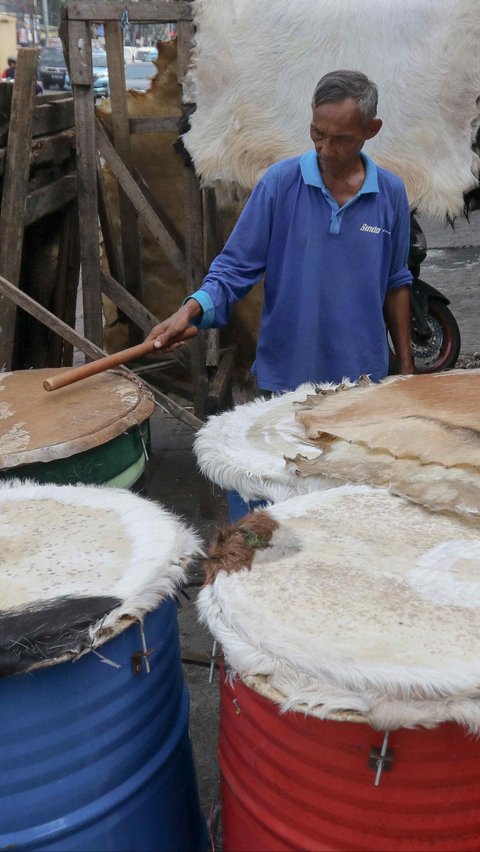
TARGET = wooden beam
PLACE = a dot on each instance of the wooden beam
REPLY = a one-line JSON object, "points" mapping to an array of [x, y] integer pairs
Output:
{"points": [[52, 117], [132, 268], [110, 241], [127, 303], [66, 285], [55, 148], [15, 190], [80, 59], [157, 11], [131, 188], [154, 124], [51, 197], [90, 349]]}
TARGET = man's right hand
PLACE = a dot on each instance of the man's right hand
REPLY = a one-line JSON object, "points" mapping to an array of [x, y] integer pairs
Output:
{"points": [[165, 332]]}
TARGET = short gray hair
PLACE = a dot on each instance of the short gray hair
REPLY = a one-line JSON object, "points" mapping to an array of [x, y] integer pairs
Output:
{"points": [[339, 85]]}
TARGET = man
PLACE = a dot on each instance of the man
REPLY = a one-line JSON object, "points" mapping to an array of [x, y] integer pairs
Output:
{"points": [[9, 72], [329, 231]]}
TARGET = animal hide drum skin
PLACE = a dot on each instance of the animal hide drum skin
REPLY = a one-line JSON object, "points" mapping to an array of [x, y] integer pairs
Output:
{"points": [[419, 436], [256, 62], [79, 565], [244, 450], [360, 602]]}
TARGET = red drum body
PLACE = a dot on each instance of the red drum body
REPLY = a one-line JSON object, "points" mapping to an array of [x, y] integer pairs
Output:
{"points": [[293, 782]]}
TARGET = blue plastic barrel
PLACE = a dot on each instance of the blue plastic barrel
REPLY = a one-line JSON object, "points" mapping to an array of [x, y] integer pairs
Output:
{"points": [[95, 757]]}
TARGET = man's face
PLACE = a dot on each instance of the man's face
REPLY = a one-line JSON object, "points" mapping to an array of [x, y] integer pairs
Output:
{"points": [[339, 132]]}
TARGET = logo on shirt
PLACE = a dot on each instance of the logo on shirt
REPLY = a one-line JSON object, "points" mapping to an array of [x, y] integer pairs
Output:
{"points": [[373, 229]]}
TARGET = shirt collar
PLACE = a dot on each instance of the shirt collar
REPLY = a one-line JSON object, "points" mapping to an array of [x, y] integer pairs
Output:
{"points": [[312, 176]]}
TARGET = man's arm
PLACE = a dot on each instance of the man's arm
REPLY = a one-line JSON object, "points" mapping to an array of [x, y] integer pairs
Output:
{"points": [[397, 317], [175, 324]]}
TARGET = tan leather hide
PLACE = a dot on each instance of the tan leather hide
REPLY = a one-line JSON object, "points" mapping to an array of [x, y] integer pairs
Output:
{"points": [[419, 435]]}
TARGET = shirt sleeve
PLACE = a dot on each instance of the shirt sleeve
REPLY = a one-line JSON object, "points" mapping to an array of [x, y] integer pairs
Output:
{"points": [[400, 274], [242, 261]]}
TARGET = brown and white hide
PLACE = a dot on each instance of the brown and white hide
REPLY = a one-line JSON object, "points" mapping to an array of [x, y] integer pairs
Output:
{"points": [[418, 435], [354, 600], [256, 63], [162, 168]]}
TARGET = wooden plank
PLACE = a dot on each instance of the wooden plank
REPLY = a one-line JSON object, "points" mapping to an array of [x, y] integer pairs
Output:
{"points": [[194, 271], [72, 281], [210, 229], [154, 124], [79, 53], [53, 149], [90, 349], [220, 384], [80, 58], [184, 48], [49, 97], [132, 268], [127, 303], [49, 198], [157, 11], [15, 189], [131, 188], [66, 284], [108, 230], [52, 117]]}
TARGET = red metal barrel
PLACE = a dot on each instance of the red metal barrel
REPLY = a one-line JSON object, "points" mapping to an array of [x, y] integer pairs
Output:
{"points": [[295, 782]]}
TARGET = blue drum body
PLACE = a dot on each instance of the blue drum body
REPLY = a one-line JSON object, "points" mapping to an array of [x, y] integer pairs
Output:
{"points": [[95, 757]]}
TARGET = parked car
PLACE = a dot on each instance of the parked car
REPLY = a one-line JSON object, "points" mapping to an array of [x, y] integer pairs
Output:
{"points": [[146, 54], [138, 75], [52, 68], [101, 84]]}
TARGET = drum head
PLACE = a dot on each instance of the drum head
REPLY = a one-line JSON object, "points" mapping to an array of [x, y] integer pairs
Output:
{"points": [[78, 563], [361, 601], [245, 449], [36, 426]]}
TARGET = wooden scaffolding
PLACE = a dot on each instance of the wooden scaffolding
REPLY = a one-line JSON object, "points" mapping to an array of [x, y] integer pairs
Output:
{"points": [[211, 367]]}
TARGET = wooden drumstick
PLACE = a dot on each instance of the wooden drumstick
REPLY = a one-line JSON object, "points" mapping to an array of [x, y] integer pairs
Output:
{"points": [[102, 364]]}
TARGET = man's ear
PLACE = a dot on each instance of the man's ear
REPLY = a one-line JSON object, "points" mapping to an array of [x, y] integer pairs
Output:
{"points": [[373, 127]]}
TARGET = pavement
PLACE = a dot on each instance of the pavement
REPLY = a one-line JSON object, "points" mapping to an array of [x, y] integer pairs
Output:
{"points": [[453, 267]]}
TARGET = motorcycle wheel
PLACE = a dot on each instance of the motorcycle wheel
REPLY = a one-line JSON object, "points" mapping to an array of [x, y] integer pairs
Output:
{"points": [[441, 349]]}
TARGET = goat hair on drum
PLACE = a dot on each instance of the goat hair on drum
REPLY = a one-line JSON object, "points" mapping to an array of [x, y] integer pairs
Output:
{"points": [[355, 600], [416, 435], [79, 565], [351, 619]]}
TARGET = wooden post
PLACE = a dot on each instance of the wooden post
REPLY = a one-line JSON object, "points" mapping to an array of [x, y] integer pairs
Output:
{"points": [[121, 141], [60, 353], [15, 190], [80, 58]]}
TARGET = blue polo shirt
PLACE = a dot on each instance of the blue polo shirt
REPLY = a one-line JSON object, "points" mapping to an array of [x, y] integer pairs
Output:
{"points": [[326, 273]]}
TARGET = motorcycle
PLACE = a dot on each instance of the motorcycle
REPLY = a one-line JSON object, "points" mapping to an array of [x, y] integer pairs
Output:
{"points": [[435, 334]]}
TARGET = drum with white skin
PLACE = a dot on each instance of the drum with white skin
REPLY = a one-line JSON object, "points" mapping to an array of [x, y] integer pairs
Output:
{"points": [[350, 624], [415, 435], [94, 739]]}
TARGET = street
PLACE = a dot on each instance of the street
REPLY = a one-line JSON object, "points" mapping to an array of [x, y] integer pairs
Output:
{"points": [[453, 267]]}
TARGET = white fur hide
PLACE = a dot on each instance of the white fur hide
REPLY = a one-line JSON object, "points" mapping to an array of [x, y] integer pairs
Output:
{"points": [[244, 450], [256, 62], [58, 542], [362, 602]]}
